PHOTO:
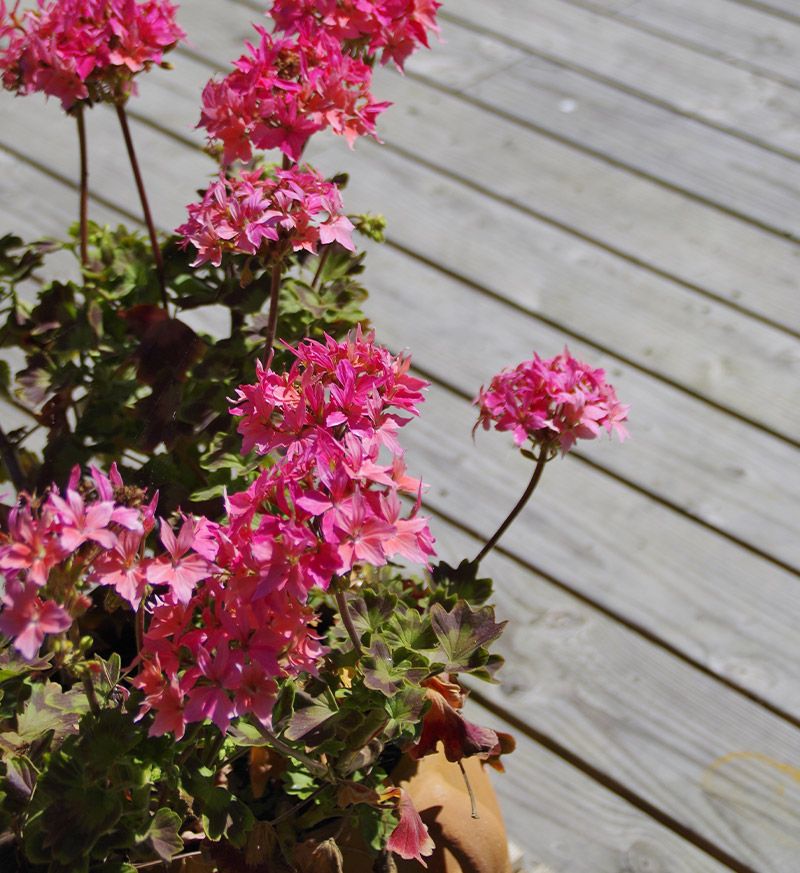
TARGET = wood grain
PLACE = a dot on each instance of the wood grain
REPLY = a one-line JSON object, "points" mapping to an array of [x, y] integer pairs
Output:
{"points": [[676, 738], [741, 102], [730, 173], [638, 559], [748, 493], [737, 33], [567, 823]]}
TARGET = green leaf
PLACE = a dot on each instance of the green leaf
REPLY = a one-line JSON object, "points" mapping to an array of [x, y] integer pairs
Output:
{"points": [[12, 666], [51, 709], [463, 632], [380, 673], [461, 582], [311, 723], [411, 630], [404, 711], [21, 777], [371, 612], [163, 836], [245, 734]]}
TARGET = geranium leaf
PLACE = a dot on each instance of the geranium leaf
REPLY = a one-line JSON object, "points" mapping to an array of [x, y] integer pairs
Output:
{"points": [[162, 835], [307, 723], [461, 582], [51, 709], [371, 611], [21, 776], [463, 631], [12, 666], [380, 674]]}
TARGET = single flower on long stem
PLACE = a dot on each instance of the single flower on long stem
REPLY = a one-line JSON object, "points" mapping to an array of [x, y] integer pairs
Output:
{"points": [[551, 403]]}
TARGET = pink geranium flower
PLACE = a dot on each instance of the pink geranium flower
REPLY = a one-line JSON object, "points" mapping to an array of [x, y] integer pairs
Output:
{"points": [[80, 523], [393, 28], [27, 619], [123, 569], [84, 49], [559, 400], [183, 568], [31, 544], [284, 90], [254, 213]]}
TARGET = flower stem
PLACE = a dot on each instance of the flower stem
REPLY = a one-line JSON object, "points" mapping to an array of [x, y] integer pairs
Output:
{"points": [[323, 259], [537, 474], [472, 802], [347, 618], [139, 626], [84, 203], [315, 767], [274, 294], [88, 687], [148, 218]]}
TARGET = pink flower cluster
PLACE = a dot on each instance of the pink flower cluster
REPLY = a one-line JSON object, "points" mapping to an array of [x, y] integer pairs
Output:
{"points": [[242, 214], [284, 90], [327, 502], [547, 401], [335, 416], [395, 28], [217, 657], [84, 49], [97, 540], [216, 653]]}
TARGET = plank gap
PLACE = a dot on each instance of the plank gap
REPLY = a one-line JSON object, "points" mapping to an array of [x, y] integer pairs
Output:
{"points": [[795, 443]]}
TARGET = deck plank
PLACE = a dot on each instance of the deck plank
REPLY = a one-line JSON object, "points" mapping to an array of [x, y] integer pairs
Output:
{"points": [[730, 173], [747, 105], [629, 706], [678, 739], [764, 43], [567, 823], [703, 361], [680, 582]]}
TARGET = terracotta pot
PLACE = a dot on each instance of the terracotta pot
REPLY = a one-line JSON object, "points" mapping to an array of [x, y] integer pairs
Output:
{"points": [[463, 844]]}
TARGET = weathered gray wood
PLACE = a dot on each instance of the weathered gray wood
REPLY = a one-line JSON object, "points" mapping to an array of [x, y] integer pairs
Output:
{"points": [[785, 9], [748, 105], [407, 190], [679, 740], [567, 823], [699, 160], [698, 343], [740, 34], [630, 215], [415, 124], [717, 468]]}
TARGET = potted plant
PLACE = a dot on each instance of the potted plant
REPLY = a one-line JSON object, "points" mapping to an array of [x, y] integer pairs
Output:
{"points": [[225, 641]]}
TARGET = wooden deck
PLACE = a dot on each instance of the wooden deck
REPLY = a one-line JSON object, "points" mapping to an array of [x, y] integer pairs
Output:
{"points": [[622, 176]]}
